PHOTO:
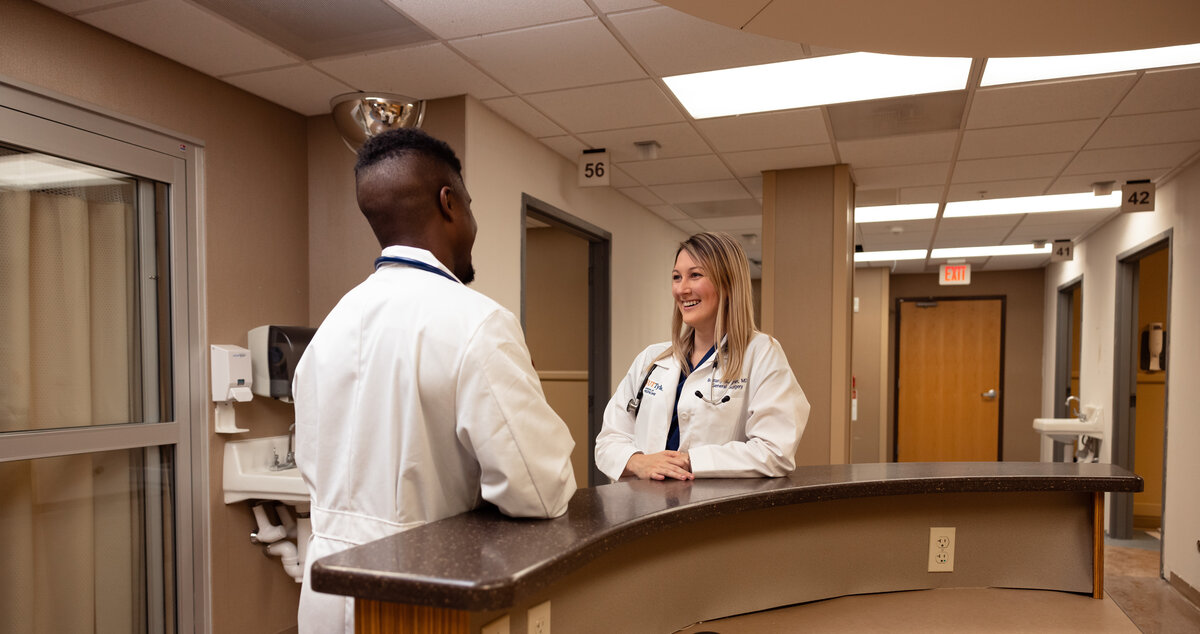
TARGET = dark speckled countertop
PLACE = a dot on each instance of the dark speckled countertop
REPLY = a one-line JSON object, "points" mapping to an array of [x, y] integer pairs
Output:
{"points": [[483, 560]]}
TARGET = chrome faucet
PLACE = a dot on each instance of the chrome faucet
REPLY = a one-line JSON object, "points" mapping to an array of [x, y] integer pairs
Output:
{"points": [[289, 461], [1078, 410]]}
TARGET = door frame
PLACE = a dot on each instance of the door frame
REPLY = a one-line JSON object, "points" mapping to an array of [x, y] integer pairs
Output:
{"points": [[1120, 518], [599, 310], [896, 367], [1064, 331]]}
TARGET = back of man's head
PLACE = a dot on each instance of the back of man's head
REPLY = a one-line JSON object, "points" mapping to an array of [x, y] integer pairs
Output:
{"points": [[398, 177], [405, 142]]}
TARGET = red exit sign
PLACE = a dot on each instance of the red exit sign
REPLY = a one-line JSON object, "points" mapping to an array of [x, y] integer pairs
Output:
{"points": [[954, 274]]}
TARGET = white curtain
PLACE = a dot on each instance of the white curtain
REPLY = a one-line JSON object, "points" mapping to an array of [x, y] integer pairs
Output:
{"points": [[70, 526]]}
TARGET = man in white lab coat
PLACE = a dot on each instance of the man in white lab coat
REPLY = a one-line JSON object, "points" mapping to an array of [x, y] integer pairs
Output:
{"points": [[416, 398]]}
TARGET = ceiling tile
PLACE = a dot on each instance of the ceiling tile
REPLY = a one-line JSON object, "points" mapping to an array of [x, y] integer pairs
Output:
{"points": [[901, 175], [610, 6], [755, 162], [735, 225], [427, 71], [618, 177], [72, 6], [1041, 138], [898, 150], [312, 29], [667, 212], [914, 114], [190, 36], [459, 19], [700, 192], [876, 197], [671, 42], [301, 88], [1147, 129], [584, 54], [625, 105], [1057, 226], [1015, 262], [1073, 184], [687, 169], [896, 242], [524, 116], [674, 139], [1163, 90], [754, 185], [927, 194], [788, 128], [740, 207], [1147, 157], [900, 227], [569, 147], [688, 226], [1011, 168], [642, 196], [1046, 102], [974, 232], [998, 189]]}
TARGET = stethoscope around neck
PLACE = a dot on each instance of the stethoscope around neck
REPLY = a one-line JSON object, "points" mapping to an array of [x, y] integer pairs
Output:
{"points": [[635, 404]]}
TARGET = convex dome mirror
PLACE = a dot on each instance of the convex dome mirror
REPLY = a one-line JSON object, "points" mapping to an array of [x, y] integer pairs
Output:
{"points": [[361, 115]]}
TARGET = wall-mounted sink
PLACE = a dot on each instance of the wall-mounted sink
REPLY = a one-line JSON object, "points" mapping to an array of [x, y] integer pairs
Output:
{"points": [[248, 474], [1068, 430]]}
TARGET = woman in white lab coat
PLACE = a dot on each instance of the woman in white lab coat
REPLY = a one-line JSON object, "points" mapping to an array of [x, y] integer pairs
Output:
{"points": [[690, 408]]}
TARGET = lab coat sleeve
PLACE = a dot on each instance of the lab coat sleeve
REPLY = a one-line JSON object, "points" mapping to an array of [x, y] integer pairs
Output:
{"points": [[522, 446], [777, 412], [615, 443]]}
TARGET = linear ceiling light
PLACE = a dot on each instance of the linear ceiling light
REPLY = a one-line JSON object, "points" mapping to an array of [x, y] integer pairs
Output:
{"points": [[984, 252], [889, 256], [1011, 70], [815, 81], [1031, 205], [894, 213]]}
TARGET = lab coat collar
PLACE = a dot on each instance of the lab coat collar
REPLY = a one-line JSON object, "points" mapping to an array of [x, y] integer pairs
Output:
{"points": [[671, 363], [414, 253]]}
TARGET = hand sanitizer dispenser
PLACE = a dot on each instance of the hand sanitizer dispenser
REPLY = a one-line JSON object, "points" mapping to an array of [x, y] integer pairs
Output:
{"points": [[231, 381]]}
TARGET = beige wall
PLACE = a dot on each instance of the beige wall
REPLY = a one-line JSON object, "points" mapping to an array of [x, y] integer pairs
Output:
{"points": [[256, 239], [868, 434], [1176, 210], [1022, 345]]}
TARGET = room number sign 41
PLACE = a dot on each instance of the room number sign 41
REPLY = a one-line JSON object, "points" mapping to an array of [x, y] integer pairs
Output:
{"points": [[593, 168]]}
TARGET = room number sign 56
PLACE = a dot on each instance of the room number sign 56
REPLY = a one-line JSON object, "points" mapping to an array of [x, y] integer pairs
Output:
{"points": [[593, 168]]}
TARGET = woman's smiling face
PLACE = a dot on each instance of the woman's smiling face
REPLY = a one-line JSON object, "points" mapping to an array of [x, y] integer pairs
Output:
{"points": [[695, 294]]}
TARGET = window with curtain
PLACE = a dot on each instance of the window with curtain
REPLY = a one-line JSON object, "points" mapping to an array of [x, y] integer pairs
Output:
{"points": [[86, 537]]}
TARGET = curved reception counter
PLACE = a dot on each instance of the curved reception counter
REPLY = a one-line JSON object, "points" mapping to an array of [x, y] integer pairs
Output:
{"points": [[644, 556]]}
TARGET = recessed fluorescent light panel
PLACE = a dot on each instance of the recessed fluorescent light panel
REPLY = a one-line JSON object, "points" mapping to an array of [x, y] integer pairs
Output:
{"points": [[894, 213], [889, 256], [1011, 70], [1031, 205], [815, 81], [985, 252]]}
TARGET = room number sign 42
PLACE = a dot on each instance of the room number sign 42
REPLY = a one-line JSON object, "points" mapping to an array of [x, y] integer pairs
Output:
{"points": [[593, 168]]}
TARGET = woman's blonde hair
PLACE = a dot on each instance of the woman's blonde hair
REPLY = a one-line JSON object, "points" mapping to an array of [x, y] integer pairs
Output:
{"points": [[725, 264]]}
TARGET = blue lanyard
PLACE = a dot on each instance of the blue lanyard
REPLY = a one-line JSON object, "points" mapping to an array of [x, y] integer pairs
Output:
{"points": [[416, 264]]}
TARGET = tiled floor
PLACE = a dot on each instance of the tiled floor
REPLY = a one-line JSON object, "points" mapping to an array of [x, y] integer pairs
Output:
{"points": [[1132, 580]]}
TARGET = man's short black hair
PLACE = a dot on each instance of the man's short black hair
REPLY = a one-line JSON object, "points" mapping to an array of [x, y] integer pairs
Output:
{"points": [[404, 141]]}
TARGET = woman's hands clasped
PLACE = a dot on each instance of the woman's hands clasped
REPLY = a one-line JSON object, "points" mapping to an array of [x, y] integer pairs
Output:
{"points": [[660, 466]]}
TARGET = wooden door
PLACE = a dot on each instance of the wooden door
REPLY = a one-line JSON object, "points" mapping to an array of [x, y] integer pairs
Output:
{"points": [[949, 360]]}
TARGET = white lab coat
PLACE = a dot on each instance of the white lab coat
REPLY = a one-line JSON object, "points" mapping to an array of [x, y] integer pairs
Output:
{"points": [[415, 400], [754, 433]]}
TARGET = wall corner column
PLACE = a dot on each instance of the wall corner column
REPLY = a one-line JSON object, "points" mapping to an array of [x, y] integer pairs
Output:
{"points": [[807, 295]]}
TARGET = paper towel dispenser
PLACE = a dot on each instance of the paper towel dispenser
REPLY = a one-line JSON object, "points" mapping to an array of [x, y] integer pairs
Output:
{"points": [[274, 353], [1153, 357]]}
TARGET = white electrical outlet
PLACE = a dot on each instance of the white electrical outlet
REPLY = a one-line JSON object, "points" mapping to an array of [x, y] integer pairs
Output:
{"points": [[539, 619], [499, 626], [941, 549]]}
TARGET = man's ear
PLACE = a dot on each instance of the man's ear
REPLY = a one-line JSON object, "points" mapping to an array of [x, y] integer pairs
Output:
{"points": [[446, 202]]}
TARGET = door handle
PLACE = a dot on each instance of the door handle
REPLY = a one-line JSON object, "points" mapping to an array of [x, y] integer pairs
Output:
{"points": [[990, 394]]}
